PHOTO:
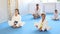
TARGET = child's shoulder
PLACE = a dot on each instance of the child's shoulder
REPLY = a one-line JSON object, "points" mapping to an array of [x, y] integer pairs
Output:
{"points": [[46, 20], [19, 15]]}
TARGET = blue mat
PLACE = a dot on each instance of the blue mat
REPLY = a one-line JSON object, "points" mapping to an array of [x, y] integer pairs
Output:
{"points": [[29, 27]]}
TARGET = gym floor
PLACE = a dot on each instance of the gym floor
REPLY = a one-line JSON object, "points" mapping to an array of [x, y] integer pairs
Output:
{"points": [[29, 27]]}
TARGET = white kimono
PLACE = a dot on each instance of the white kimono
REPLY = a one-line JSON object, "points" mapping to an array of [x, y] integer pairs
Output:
{"points": [[16, 18], [56, 16], [37, 12], [44, 26]]}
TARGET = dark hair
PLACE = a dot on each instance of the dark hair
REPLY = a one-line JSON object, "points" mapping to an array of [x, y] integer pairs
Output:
{"points": [[43, 14], [55, 9], [17, 10], [37, 4]]}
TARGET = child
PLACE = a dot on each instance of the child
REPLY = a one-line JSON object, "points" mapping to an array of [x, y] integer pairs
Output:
{"points": [[43, 24], [56, 17], [36, 13], [16, 20]]}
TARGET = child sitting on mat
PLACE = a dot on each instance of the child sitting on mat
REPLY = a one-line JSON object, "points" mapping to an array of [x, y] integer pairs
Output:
{"points": [[56, 15], [36, 13], [16, 20], [43, 24]]}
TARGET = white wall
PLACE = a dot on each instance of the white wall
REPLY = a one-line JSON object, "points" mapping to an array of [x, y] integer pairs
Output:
{"points": [[50, 7], [28, 7], [3, 11], [58, 7], [23, 6]]}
